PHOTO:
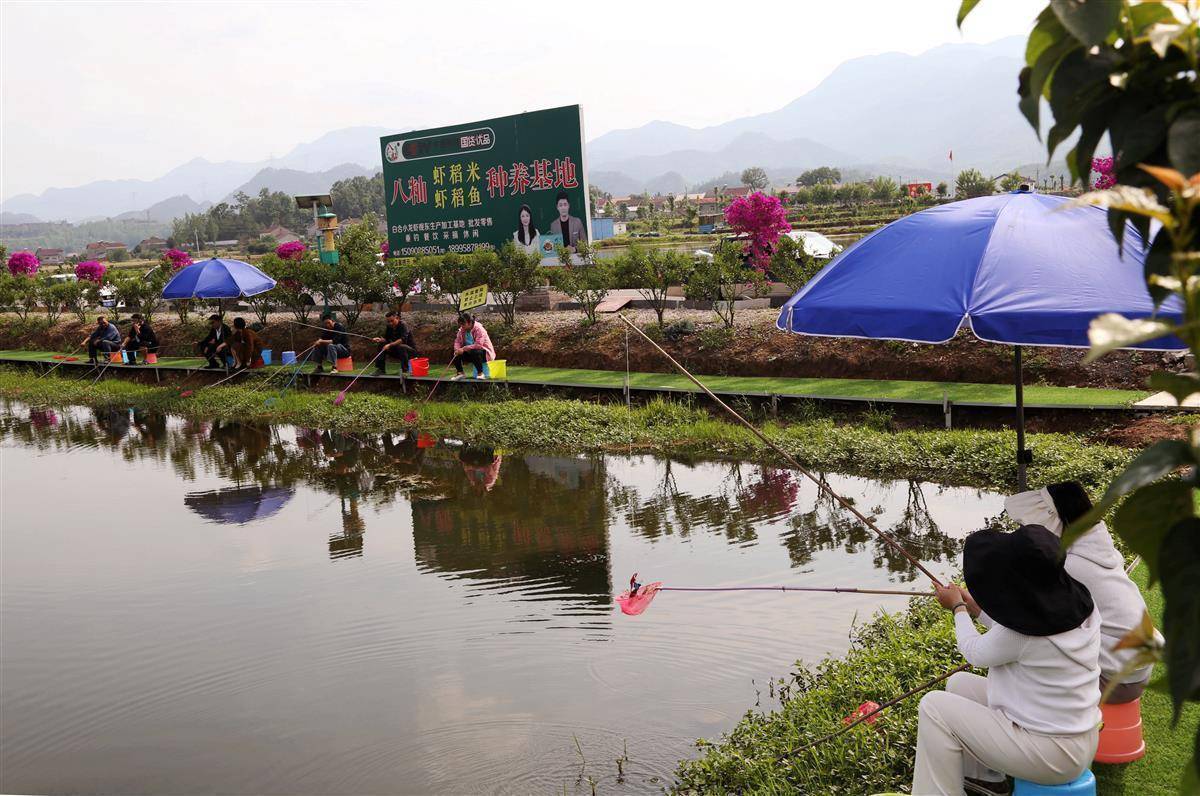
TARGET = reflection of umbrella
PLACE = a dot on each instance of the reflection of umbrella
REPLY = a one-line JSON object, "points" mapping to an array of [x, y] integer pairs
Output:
{"points": [[1015, 268], [217, 279], [238, 506]]}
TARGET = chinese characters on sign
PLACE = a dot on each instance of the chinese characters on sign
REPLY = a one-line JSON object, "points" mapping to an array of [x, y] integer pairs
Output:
{"points": [[517, 179]]}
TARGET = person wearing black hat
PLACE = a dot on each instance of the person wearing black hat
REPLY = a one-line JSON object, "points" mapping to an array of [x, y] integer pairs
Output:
{"points": [[1094, 561], [1036, 715]]}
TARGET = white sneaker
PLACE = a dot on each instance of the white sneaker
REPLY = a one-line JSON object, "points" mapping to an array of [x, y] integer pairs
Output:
{"points": [[458, 377], [481, 376]]}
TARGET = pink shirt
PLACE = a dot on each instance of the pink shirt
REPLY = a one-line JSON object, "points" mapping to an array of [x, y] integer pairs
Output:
{"points": [[481, 340]]}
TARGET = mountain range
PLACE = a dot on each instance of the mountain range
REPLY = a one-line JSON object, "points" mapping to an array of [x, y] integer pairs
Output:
{"points": [[892, 113]]}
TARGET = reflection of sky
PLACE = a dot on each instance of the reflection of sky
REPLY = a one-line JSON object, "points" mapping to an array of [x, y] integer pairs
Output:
{"points": [[144, 648]]}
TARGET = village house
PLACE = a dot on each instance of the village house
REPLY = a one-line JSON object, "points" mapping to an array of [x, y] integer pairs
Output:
{"points": [[99, 250], [281, 234], [151, 245], [50, 256]]}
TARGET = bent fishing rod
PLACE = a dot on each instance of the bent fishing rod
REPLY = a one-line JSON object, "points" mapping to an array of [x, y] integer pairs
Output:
{"points": [[831, 589], [891, 541]]}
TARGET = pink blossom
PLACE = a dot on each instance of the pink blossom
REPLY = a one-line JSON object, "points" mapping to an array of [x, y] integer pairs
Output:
{"points": [[384, 248], [1104, 171], [177, 258], [91, 271], [292, 250], [23, 264], [763, 219]]}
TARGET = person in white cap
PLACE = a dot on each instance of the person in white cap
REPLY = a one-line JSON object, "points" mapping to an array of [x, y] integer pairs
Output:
{"points": [[1094, 561]]}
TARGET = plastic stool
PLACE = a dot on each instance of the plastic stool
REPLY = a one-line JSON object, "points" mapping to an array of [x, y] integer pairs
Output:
{"points": [[266, 356], [1084, 785], [289, 357], [151, 358], [1121, 735], [344, 364]]}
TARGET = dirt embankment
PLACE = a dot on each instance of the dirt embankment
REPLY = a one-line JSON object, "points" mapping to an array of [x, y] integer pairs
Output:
{"points": [[753, 348]]}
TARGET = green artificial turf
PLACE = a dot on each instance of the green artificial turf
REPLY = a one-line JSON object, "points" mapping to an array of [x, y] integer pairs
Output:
{"points": [[1167, 749], [850, 389]]}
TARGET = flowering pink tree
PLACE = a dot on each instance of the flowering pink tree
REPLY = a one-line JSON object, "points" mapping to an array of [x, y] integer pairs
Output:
{"points": [[91, 271], [292, 250], [23, 264], [762, 218], [176, 259], [1105, 178]]}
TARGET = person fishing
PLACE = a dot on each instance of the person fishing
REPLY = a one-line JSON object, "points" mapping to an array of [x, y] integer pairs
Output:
{"points": [[141, 338], [246, 346], [332, 345], [1036, 715], [105, 338], [1094, 561], [472, 346], [397, 343], [215, 345]]}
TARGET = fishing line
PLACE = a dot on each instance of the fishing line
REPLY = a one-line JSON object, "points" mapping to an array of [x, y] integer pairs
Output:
{"points": [[789, 458], [72, 353], [323, 329], [833, 589], [341, 396]]}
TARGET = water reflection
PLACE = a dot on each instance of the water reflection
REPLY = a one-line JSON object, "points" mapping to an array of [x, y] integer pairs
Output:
{"points": [[365, 610]]}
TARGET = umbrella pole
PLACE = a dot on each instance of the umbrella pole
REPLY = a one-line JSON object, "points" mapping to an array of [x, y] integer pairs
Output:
{"points": [[1022, 454]]}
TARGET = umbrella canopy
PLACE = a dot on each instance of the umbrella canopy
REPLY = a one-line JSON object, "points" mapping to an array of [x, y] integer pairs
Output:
{"points": [[217, 279], [1016, 268], [238, 506]]}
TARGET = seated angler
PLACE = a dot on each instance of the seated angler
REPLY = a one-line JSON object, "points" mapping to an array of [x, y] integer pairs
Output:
{"points": [[332, 345], [246, 345], [215, 345], [105, 338], [397, 343], [471, 346], [141, 338], [1036, 715], [1094, 561]]}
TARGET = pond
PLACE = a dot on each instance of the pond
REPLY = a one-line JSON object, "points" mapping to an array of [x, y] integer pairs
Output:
{"points": [[196, 606]]}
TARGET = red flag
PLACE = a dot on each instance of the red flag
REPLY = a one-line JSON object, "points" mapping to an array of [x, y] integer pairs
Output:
{"points": [[952, 154]]}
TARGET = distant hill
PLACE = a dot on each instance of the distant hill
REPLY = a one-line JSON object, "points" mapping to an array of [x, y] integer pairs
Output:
{"points": [[293, 181], [166, 210], [199, 179], [18, 218]]}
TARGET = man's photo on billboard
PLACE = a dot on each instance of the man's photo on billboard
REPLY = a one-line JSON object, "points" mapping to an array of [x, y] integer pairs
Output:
{"points": [[571, 228]]}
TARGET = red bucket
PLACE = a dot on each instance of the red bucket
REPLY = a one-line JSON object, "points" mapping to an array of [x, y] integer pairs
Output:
{"points": [[345, 364], [420, 366]]}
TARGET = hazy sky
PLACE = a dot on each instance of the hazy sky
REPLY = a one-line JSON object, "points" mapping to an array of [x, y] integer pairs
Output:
{"points": [[112, 90]]}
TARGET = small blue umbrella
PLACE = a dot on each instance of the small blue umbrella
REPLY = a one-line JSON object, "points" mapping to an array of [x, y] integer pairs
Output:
{"points": [[1016, 268], [239, 506], [217, 279]]}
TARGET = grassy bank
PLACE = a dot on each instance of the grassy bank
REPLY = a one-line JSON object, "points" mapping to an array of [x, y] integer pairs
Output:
{"points": [[889, 655], [975, 457]]}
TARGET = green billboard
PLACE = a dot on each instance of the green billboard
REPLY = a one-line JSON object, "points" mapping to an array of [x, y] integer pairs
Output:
{"points": [[475, 186]]}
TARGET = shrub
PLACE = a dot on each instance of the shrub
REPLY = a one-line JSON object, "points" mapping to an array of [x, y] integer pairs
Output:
{"points": [[721, 279], [762, 219], [91, 271], [292, 250], [587, 282], [175, 259], [678, 330], [653, 273], [792, 265], [23, 264], [515, 272], [888, 655]]}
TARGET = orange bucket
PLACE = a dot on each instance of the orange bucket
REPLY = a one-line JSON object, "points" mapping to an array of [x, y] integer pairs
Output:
{"points": [[257, 363], [151, 359], [344, 364], [115, 357]]}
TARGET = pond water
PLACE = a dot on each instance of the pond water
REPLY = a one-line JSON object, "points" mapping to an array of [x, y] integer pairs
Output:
{"points": [[193, 606]]}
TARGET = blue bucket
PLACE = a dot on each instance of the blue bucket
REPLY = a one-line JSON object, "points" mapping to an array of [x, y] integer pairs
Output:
{"points": [[289, 357], [266, 356]]}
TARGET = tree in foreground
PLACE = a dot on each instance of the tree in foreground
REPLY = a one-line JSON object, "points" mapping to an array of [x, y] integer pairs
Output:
{"points": [[584, 278], [653, 273], [1129, 71]]}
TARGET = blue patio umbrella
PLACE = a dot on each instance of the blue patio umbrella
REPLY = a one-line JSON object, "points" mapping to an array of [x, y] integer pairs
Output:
{"points": [[1016, 268], [240, 505], [217, 278]]}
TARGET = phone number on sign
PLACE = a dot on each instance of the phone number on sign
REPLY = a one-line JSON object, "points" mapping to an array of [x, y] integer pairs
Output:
{"points": [[416, 251]]}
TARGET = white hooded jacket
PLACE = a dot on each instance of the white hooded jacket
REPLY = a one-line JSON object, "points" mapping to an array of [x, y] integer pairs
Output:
{"points": [[1094, 561]]}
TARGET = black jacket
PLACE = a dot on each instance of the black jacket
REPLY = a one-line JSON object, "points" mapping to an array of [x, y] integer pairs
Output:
{"points": [[211, 337], [400, 332], [146, 337]]}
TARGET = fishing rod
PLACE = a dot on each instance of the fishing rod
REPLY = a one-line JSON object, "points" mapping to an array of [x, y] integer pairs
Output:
{"points": [[412, 415], [341, 396], [870, 715], [789, 458], [833, 589], [323, 329], [72, 353], [284, 368]]}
